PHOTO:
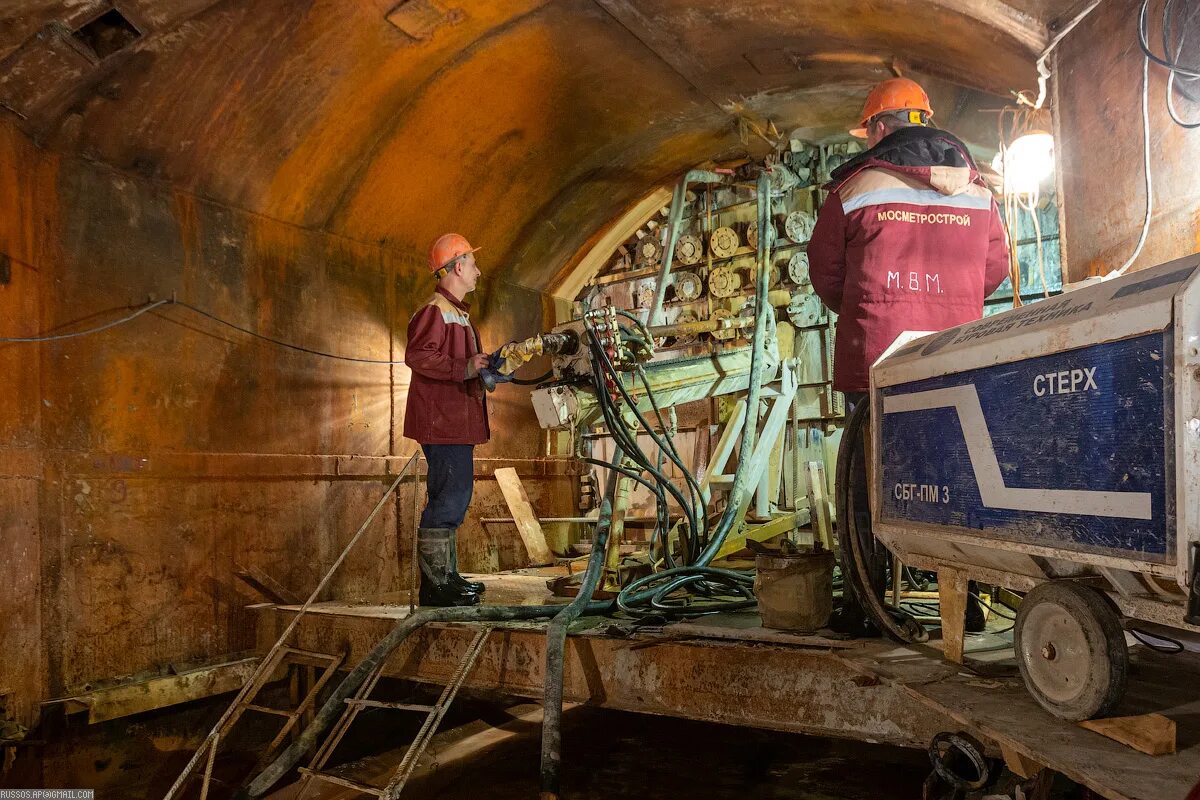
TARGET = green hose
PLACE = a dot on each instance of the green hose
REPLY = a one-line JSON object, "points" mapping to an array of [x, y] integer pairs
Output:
{"points": [[650, 593]]}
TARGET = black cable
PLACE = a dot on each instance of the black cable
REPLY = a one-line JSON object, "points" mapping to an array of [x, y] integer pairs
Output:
{"points": [[673, 454], [1167, 24], [680, 591], [992, 607], [56, 337], [195, 309], [895, 622], [280, 342], [1175, 647], [599, 355], [532, 381], [1144, 42], [629, 446]]}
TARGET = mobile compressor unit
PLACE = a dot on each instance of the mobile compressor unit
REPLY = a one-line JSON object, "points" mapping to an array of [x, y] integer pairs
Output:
{"points": [[1055, 449]]}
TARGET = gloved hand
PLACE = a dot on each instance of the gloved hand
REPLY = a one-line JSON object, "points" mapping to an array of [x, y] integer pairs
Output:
{"points": [[491, 374]]}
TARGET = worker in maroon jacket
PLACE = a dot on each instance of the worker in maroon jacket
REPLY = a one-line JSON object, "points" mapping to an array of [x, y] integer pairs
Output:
{"points": [[447, 414], [909, 239]]}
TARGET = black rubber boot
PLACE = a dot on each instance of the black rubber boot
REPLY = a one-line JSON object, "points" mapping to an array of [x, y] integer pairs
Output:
{"points": [[433, 556], [975, 622], [455, 578]]}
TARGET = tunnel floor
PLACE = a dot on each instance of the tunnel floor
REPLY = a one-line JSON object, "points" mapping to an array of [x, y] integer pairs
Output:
{"points": [[610, 754]]}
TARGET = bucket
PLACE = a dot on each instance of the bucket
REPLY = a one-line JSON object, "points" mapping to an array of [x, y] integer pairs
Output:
{"points": [[795, 592]]}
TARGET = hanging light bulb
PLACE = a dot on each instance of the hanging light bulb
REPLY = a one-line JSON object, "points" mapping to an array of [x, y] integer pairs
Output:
{"points": [[1027, 162]]}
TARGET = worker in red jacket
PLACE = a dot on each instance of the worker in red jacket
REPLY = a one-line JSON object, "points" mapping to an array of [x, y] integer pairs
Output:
{"points": [[447, 414], [909, 239]]}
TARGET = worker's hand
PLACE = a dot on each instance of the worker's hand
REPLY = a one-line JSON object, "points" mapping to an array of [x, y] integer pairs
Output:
{"points": [[476, 363]]}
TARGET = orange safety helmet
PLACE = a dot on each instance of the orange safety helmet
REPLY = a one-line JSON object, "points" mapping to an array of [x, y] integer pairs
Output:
{"points": [[446, 250], [894, 94]]}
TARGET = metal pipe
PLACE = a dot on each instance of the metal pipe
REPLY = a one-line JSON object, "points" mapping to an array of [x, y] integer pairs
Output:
{"points": [[556, 642], [674, 223], [511, 520]]}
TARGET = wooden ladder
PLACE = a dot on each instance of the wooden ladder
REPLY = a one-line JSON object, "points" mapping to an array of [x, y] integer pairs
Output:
{"points": [[315, 771]]}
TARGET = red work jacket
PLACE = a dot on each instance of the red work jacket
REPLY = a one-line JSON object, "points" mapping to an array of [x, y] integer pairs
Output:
{"points": [[909, 239], [443, 406]]}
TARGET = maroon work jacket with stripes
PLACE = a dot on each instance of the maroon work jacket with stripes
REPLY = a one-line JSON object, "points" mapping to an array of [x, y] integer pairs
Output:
{"points": [[909, 239], [444, 407]]}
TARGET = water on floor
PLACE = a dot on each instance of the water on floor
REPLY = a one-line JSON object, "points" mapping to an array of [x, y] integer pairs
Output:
{"points": [[609, 755]]}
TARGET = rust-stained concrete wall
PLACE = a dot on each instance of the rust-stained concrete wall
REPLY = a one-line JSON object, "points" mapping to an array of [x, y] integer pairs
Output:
{"points": [[1099, 96], [140, 467]]}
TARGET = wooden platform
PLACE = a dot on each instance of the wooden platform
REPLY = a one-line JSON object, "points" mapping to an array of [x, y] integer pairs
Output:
{"points": [[728, 669], [1000, 710]]}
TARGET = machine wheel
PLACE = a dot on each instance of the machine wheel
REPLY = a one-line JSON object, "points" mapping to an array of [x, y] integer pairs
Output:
{"points": [[1071, 650]]}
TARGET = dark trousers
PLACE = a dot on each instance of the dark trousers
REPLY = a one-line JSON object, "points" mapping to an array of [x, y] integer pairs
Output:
{"points": [[451, 481]]}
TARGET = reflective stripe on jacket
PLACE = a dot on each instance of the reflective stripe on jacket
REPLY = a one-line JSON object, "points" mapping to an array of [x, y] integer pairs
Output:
{"points": [[443, 406], [909, 239]]}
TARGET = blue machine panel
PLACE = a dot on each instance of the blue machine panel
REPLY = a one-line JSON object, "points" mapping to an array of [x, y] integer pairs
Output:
{"points": [[1072, 450]]}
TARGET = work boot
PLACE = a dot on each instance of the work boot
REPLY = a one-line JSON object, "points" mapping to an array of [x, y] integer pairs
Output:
{"points": [[433, 556], [455, 578], [849, 619], [976, 622]]}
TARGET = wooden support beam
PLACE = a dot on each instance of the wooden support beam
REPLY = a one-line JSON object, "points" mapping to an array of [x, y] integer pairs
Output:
{"points": [[136, 697], [527, 522], [952, 599], [1018, 762]]}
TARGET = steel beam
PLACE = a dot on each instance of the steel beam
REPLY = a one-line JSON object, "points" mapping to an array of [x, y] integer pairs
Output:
{"points": [[787, 688]]}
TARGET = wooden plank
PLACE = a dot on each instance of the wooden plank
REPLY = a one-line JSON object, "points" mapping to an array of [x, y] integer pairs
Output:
{"points": [[723, 450], [267, 586], [952, 598], [818, 504], [159, 692], [1000, 709], [1152, 734], [1018, 762], [527, 522]]}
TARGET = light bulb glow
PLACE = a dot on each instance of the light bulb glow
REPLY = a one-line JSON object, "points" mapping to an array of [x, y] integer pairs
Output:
{"points": [[1027, 162]]}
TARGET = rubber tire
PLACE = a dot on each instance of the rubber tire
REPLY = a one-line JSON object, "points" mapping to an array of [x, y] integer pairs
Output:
{"points": [[1104, 687]]}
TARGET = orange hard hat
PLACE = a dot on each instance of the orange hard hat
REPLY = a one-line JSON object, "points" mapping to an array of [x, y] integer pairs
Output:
{"points": [[894, 94], [446, 250]]}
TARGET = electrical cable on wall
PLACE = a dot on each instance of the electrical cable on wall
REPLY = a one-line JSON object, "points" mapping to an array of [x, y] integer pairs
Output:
{"points": [[58, 337], [1149, 176], [1174, 69], [150, 306], [1167, 26]]}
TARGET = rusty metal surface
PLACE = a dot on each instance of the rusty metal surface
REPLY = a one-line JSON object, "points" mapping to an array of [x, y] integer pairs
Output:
{"points": [[141, 467], [330, 117], [284, 165], [1099, 149], [806, 690]]}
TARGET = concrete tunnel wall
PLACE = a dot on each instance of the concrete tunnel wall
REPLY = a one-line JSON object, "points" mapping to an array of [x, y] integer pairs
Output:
{"points": [[285, 166]]}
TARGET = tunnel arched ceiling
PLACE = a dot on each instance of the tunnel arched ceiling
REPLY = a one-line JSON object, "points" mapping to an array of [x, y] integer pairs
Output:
{"points": [[524, 124]]}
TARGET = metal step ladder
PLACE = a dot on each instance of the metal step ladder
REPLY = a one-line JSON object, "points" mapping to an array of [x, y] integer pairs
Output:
{"points": [[290, 658], [315, 771]]}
